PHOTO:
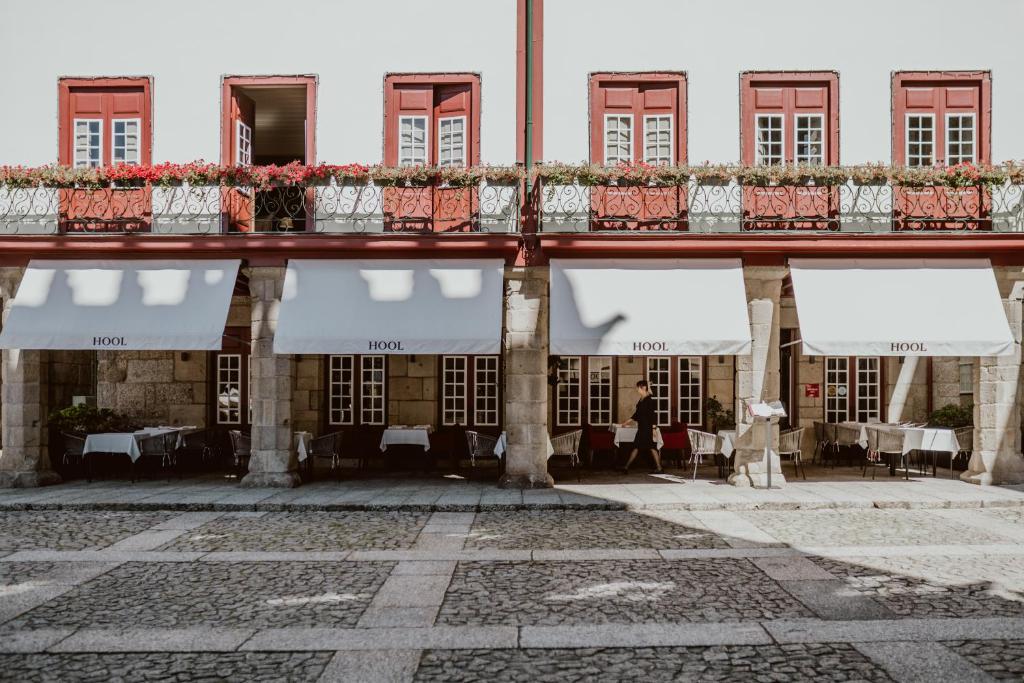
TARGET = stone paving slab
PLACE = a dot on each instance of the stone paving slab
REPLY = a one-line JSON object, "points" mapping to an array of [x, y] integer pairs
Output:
{"points": [[922, 662], [1001, 659], [911, 630], [103, 668], [372, 666], [295, 639], [642, 635], [195, 639]]}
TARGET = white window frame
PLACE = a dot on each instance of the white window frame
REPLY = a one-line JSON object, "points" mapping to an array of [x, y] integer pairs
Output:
{"points": [[138, 141], [440, 141], [454, 390], [340, 389], [232, 414], [78, 160], [243, 143], [604, 414], [632, 139], [426, 141], [875, 411], [818, 160], [966, 388], [830, 404], [974, 138], [661, 392], [486, 403], [671, 139], [365, 407], [695, 379], [906, 139], [573, 405], [758, 157]]}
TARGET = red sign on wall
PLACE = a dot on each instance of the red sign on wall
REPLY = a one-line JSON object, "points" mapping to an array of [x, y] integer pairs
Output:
{"points": [[812, 390]]}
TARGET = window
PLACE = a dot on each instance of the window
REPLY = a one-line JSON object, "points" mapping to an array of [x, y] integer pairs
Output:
{"points": [[690, 404], [341, 390], [568, 391], [789, 117], [959, 139], [857, 397], [638, 117], [810, 139], [372, 389], [244, 145], [769, 140], [454, 390], [599, 390], [659, 380], [229, 388], [920, 140], [485, 391], [618, 134], [412, 140], [88, 142], [941, 118], [104, 121], [966, 376], [451, 141], [432, 119]]}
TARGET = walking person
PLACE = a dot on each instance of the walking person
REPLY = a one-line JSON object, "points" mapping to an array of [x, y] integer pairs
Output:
{"points": [[644, 418]]}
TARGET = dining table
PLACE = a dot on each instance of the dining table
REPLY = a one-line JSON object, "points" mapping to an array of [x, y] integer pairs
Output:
{"points": [[927, 439], [128, 443], [302, 442], [401, 435], [625, 434]]}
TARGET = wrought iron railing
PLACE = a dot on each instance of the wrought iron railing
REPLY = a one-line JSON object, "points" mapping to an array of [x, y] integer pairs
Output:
{"points": [[730, 206], [217, 209]]}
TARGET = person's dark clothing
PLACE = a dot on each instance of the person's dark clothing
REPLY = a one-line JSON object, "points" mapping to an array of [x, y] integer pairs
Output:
{"points": [[645, 419]]}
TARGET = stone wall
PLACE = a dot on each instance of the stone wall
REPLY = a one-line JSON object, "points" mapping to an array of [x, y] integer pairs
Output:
{"points": [[412, 389], [155, 387], [71, 373], [308, 395]]}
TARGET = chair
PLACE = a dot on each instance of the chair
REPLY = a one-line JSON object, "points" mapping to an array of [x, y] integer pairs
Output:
{"points": [[481, 447], [820, 443], [831, 443], [677, 440], [701, 444], [599, 440], [74, 449], [241, 451], [847, 435], [889, 443], [789, 444], [326, 447], [198, 446], [568, 445], [965, 441], [160, 446]]}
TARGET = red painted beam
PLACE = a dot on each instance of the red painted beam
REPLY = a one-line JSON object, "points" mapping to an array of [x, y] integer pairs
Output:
{"points": [[256, 248], [1001, 248]]}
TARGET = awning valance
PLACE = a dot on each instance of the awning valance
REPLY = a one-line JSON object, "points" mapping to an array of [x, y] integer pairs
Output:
{"points": [[410, 306], [904, 307], [131, 305], [648, 306]]}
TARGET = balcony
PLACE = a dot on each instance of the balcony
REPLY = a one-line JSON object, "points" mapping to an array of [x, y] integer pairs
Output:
{"points": [[204, 199], [713, 199]]}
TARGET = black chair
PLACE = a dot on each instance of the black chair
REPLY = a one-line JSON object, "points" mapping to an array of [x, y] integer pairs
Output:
{"points": [[568, 446], [326, 447], [241, 451], [480, 448], [74, 450], [160, 449], [199, 450]]}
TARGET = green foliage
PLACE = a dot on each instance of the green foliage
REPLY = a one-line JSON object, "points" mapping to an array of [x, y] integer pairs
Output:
{"points": [[717, 416], [952, 416], [85, 419]]}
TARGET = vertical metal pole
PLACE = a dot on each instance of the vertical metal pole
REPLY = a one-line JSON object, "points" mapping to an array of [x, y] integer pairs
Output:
{"points": [[528, 100], [767, 450]]}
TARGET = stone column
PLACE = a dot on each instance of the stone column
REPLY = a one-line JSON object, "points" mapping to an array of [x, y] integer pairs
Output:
{"points": [[274, 461], [996, 458], [526, 373], [25, 460], [757, 377]]}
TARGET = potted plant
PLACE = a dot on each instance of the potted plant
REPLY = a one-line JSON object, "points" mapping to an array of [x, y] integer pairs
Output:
{"points": [[717, 416], [952, 416]]}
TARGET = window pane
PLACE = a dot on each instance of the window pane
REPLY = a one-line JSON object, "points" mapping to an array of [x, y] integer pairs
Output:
{"points": [[959, 139], [658, 140], [920, 145], [599, 390], [243, 154], [837, 389], [229, 388], [659, 380], [88, 142], [412, 140], [567, 393], [810, 136], [372, 387], [769, 139], [618, 139], [453, 390], [485, 391], [869, 390], [341, 388], [125, 147], [691, 407], [450, 144]]}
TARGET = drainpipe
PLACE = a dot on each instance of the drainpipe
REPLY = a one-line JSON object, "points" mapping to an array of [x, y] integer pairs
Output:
{"points": [[528, 147]]}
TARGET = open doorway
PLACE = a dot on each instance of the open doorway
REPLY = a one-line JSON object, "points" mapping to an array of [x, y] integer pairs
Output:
{"points": [[268, 120]]}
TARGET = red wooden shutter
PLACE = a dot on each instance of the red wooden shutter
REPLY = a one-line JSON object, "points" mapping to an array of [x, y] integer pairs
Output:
{"points": [[407, 99], [240, 203], [452, 101]]}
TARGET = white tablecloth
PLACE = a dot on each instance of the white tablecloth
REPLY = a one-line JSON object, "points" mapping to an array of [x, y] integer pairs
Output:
{"points": [[918, 438], [115, 443], [302, 440], [502, 445], [394, 436], [728, 437], [628, 434]]}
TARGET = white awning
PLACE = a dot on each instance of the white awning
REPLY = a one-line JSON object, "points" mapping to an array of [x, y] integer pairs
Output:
{"points": [[130, 305], [900, 307], [628, 307], [410, 306]]}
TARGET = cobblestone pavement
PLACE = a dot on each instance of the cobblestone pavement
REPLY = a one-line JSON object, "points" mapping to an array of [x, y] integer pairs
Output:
{"points": [[726, 663], [72, 530], [1001, 659], [220, 594], [948, 587], [297, 531], [101, 668], [513, 595], [624, 592], [564, 530], [866, 527]]}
